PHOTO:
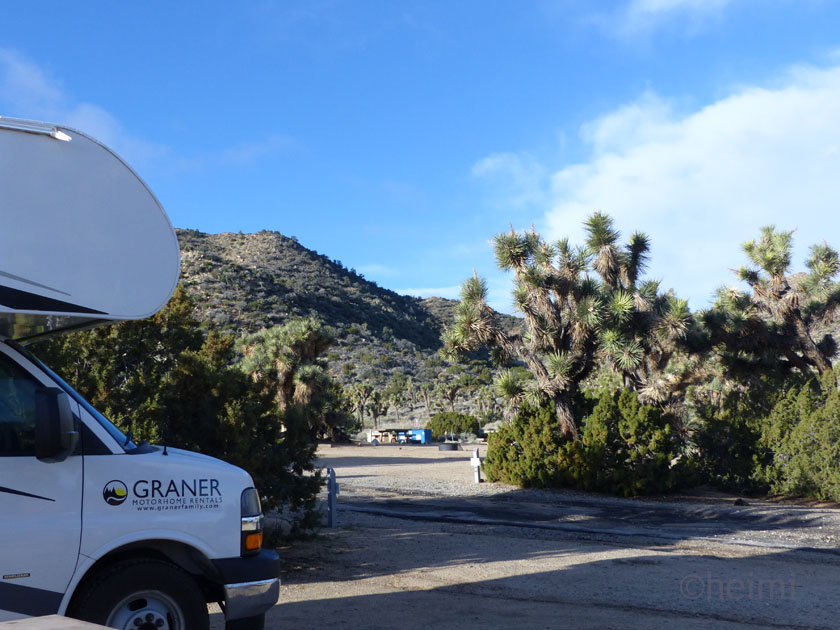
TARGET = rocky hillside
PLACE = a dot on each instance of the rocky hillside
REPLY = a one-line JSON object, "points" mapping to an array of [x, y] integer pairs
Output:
{"points": [[244, 282]]}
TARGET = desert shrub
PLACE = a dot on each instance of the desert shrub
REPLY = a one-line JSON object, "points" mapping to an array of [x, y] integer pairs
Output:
{"points": [[625, 448], [729, 449], [529, 451], [451, 423], [802, 437], [628, 447]]}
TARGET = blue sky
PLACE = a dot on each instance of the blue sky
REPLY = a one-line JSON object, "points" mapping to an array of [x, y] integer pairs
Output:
{"points": [[399, 137]]}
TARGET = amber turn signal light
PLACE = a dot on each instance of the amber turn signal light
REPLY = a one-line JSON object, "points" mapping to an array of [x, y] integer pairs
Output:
{"points": [[253, 541]]}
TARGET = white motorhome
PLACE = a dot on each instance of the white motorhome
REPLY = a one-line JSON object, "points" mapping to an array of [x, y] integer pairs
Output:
{"points": [[93, 525]]}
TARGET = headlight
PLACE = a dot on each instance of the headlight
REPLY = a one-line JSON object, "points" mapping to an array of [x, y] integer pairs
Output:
{"points": [[251, 522]]}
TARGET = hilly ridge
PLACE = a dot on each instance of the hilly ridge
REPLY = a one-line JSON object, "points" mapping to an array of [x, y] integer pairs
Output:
{"points": [[244, 282]]}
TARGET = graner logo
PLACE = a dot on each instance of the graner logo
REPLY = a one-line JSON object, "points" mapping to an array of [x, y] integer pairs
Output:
{"points": [[115, 492], [171, 494]]}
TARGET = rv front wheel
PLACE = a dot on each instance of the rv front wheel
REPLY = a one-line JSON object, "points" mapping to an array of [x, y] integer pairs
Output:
{"points": [[143, 595]]}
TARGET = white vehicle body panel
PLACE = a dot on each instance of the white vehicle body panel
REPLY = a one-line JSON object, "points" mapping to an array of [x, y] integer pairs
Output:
{"points": [[163, 492], [83, 238]]}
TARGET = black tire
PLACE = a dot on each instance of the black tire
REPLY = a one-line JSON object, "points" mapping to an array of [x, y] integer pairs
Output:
{"points": [[448, 446], [249, 623], [152, 591]]}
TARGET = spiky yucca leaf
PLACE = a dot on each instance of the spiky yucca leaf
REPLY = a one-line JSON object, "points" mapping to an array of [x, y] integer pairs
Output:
{"points": [[649, 289], [560, 364], [712, 319], [474, 322], [629, 356], [823, 262], [544, 254], [676, 317], [571, 262], [637, 256], [601, 243], [542, 333], [532, 242], [511, 250], [454, 343], [508, 385], [528, 338], [451, 354], [772, 252], [588, 287], [738, 321], [600, 232], [308, 379], [823, 265], [654, 391], [750, 276], [590, 312], [731, 298], [564, 249], [466, 313], [534, 278], [533, 396], [611, 341], [621, 306], [474, 290], [520, 298]]}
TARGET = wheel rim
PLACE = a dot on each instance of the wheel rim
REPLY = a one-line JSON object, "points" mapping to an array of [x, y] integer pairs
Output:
{"points": [[147, 610]]}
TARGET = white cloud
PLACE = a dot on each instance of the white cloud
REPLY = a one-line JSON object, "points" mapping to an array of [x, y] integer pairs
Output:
{"points": [[519, 179], [641, 17], [27, 91], [641, 121], [656, 7], [703, 182], [102, 125], [24, 87]]}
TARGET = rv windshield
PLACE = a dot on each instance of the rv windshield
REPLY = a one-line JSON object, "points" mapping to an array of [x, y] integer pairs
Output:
{"points": [[119, 436]]}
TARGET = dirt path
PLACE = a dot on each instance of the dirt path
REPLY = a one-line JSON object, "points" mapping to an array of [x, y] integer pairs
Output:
{"points": [[464, 555]]}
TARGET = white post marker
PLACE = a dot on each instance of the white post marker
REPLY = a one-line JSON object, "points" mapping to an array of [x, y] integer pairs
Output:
{"points": [[475, 461], [332, 495]]}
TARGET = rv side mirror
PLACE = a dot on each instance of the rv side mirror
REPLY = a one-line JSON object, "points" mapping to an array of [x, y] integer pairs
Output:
{"points": [[55, 429]]}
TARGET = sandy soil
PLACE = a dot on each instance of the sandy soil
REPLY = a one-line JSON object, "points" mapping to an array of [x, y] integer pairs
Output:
{"points": [[420, 545]]}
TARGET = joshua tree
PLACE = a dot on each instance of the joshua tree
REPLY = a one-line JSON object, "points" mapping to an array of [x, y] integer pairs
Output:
{"points": [[377, 406], [395, 392], [447, 391], [485, 400], [425, 392], [288, 359], [359, 395], [396, 400], [775, 323], [411, 390], [580, 306]]}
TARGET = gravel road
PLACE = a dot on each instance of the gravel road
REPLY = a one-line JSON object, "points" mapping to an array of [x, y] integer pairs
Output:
{"points": [[420, 545]]}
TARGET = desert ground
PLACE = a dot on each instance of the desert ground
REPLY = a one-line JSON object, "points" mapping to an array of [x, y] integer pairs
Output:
{"points": [[419, 544]]}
